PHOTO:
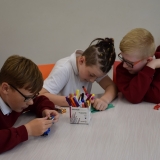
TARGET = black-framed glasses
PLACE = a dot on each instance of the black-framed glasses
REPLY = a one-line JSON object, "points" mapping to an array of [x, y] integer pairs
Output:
{"points": [[129, 64], [26, 98]]}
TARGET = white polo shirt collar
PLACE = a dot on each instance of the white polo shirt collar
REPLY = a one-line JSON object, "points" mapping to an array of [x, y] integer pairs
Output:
{"points": [[4, 108], [73, 61]]}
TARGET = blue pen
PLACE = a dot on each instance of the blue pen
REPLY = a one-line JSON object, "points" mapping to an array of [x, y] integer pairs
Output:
{"points": [[79, 97], [82, 97], [48, 130]]}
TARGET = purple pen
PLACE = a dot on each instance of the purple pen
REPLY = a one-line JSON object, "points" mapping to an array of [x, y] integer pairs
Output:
{"points": [[68, 100]]}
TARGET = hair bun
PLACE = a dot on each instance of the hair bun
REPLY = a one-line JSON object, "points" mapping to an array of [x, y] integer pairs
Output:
{"points": [[109, 40], [103, 42]]}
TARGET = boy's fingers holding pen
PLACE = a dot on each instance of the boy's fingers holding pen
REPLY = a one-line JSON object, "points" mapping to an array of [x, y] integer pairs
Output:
{"points": [[37, 126], [56, 118], [55, 113], [44, 118], [50, 113]]}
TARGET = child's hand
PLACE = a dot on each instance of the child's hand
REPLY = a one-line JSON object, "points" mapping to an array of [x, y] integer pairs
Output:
{"points": [[38, 126], [48, 113], [99, 104], [155, 63]]}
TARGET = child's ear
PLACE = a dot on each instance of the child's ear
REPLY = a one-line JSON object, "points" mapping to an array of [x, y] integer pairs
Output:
{"points": [[81, 59], [5, 87], [149, 59]]}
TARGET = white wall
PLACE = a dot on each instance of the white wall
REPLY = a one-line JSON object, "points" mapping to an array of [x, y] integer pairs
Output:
{"points": [[47, 30]]}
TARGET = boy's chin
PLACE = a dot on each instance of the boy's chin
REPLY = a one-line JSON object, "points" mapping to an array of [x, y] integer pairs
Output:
{"points": [[18, 110], [132, 72], [83, 80]]}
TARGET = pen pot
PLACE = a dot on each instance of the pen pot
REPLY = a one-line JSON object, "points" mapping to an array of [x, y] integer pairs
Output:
{"points": [[79, 115]]}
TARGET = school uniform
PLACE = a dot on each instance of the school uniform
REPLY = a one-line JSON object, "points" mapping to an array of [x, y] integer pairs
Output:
{"points": [[11, 136], [142, 86], [64, 78], [158, 49]]}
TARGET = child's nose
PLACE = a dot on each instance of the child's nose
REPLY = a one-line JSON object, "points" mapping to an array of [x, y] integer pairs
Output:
{"points": [[92, 80], [30, 102], [125, 65]]}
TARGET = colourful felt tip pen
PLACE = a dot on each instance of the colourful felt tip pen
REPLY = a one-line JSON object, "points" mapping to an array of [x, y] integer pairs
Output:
{"points": [[77, 93], [86, 104], [76, 102], [83, 106], [68, 100], [85, 90], [82, 97], [92, 100], [70, 95], [89, 96], [79, 97], [93, 95], [72, 102]]}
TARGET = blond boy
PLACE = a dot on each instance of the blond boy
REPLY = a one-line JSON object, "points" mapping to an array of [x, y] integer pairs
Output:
{"points": [[138, 76]]}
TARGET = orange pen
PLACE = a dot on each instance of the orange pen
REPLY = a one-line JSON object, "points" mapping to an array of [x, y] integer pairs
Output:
{"points": [[85, 90], [72, 102]]}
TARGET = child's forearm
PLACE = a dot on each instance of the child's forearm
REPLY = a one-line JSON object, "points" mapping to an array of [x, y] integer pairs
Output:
{"points": [[155, 63], [110, 94], [57, 99], [11, 137]]}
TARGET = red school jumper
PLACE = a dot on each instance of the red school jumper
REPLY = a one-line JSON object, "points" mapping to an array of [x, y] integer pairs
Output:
{"points": [[10, 136], [143, 86]]}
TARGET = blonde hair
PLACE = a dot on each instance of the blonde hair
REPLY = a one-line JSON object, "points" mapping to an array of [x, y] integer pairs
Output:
{"points": [[138, 39], [22, 73]]}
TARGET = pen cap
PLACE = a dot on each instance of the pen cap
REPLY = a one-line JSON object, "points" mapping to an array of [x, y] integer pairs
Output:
{"points": [[77, 93], [85, 90], [92, 99]]}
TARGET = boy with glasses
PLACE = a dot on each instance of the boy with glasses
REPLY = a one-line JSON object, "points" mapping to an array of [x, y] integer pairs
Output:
{"points": [[20, 83], [138, 76]]}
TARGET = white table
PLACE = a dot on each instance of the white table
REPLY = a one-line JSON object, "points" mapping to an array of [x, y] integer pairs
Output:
{"points": [[125, 132]]}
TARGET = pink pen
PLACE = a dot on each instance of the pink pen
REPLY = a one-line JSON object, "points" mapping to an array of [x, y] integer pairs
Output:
{"points": [[92, 100]]}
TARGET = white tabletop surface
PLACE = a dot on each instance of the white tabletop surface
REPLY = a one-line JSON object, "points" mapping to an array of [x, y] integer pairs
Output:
{"points": [[125, 132]]}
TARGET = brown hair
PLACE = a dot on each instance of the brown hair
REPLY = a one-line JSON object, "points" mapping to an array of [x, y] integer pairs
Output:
{"points": [[102, 53], [138, 39], [22, 73]]}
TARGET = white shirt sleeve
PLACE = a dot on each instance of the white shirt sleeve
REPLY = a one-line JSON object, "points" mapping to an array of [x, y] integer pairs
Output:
{"points": [[57, 79]]}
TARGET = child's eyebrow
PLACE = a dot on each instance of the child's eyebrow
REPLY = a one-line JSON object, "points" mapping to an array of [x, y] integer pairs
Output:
{"points": [[92, 74], [29, 95], [128, 60]]}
